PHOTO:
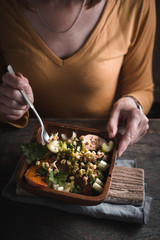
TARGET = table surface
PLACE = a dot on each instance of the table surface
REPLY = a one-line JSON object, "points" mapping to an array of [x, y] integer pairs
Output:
{"points": [[27, 222]]}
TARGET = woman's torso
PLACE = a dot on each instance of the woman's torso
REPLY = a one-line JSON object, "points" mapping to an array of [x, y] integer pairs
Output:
{"points": [[79, 81]]}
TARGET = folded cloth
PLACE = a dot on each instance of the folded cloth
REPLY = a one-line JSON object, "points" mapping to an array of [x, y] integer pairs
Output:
{"points": [[105, 210]]}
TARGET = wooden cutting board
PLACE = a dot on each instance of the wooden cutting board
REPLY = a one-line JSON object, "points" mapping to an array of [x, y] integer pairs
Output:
{"points": [[127, 186]]}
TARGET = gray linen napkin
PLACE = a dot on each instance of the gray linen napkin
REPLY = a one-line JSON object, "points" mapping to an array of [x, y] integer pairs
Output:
{"points": [[118, 212]]}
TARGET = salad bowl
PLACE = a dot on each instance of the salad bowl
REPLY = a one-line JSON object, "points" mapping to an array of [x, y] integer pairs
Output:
{"points": [[73, 197]]}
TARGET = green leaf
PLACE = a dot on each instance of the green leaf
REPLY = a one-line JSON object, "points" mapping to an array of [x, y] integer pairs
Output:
{"points": [[42, 171], [91, 177], [75, 189], [99, 159], [51, 177], [70, 145], [34, 151], [61, 178], [100, 174]]}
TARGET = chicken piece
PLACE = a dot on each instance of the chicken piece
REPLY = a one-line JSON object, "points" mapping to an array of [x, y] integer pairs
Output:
{"points": [[93, 142]]}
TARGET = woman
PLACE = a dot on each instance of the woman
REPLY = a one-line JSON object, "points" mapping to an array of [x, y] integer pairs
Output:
{"points": [[79, 58]]}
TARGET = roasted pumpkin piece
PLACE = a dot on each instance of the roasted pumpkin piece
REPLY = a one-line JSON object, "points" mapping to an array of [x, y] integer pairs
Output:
{"points": [[32, 177]]}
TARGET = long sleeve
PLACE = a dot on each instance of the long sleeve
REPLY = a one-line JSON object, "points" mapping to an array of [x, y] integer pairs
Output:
{"points": [[136, 73]]}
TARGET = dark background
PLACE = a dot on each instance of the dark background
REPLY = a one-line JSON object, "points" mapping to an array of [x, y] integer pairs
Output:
{"points": [[155, 110]]}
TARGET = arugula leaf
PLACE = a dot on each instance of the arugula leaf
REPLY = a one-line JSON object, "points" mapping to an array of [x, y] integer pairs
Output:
{"points": [[34, 151]]}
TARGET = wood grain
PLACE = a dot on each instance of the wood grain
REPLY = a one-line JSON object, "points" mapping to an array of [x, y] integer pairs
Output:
{"points": [[26, 222], [127, 186]]}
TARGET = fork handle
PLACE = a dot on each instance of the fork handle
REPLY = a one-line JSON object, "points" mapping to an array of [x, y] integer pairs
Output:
{"points": [[27, 99], [24, 94]]}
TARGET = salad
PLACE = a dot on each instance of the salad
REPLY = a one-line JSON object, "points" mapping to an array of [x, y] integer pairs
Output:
{"points": [[76, 164]]}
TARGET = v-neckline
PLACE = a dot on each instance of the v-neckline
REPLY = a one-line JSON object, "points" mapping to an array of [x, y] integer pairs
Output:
{"points": [[59, 61]]}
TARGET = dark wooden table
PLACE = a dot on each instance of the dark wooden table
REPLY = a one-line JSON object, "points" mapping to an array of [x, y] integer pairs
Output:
{"points": [[25, 222]]}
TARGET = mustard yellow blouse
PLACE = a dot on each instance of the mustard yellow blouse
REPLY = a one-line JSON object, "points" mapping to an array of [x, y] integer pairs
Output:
{"points": [[115, 61]]}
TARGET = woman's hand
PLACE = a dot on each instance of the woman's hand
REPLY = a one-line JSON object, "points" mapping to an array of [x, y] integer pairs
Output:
{"points": [[125, 112], [12, 104]]}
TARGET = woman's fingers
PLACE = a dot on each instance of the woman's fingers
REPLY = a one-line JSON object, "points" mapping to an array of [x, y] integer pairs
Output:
{"points": [[10, 113], [12, 104], [26, 87], [136, 128], [130, 133], [112, 125], [9, 95], [142, 128], [18, 82], [135, 122]]}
